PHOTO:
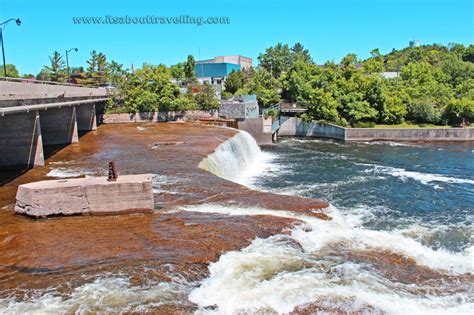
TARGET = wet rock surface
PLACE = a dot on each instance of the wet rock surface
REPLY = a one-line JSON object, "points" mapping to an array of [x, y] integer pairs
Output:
{"points": [[66, 252]]}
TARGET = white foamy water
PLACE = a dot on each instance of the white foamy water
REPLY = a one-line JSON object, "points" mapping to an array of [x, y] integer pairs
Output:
{"points": [[275, 274], [65, 173], [424, 178], [238, 159], [106, 295], [160, 183], [308, 266]]}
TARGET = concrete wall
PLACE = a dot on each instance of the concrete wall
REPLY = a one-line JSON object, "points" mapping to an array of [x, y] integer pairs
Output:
{"points": [[20, 141], [160, 116], [238, 110], [254, 126], [59, 126], [293, 126], [25, 90], [94, 195], [22, 135], [409, 134], [86, 117]]}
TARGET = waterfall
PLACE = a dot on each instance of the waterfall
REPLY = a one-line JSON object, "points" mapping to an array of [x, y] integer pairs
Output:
{"points": [[237, 159]]}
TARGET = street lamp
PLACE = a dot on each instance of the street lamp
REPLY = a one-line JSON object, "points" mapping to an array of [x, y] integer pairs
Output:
{"points": [[67, 59], [18, 22]]}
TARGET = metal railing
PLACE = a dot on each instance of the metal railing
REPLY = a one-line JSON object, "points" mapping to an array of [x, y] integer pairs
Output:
{"points": [[271, 107], [28, 108], [34, 81], [275, 120]]}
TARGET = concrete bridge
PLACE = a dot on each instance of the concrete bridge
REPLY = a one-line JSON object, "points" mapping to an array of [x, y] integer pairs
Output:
{"points": [[34, 114]]}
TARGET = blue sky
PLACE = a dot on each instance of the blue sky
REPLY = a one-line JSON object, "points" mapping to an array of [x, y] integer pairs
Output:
{"points": [[329, 29]]}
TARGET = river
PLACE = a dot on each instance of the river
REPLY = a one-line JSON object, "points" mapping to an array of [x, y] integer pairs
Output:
{"points": [[396, 237], [400, 240]]}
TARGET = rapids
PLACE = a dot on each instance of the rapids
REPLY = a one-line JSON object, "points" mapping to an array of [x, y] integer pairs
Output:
{"points": [[226, 244], [361, 260]]}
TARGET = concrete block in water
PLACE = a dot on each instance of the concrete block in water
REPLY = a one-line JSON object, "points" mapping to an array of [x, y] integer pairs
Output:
{"points": [[93, 195]]}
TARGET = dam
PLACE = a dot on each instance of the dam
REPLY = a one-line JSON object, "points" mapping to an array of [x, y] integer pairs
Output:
{"points": [[226, 236]]}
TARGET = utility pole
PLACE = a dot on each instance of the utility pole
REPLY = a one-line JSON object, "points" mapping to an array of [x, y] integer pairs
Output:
{"points": [[67, 60], [18, 22]]}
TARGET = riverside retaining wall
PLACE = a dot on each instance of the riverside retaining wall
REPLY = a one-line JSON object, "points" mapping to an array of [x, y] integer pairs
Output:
{"points": [[293, 126], [159, 116], [256, 126], [410, 134]]}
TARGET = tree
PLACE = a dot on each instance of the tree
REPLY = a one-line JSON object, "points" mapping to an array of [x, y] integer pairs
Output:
{"points": [[177, 71], [298, 52], [206, 98], [150, 89], [92, 62], [375, 64], [265, 86], [43, 75], [12, 71], [234, 81], [298, 83], [102, 69], [189, 69], [116, 74], [275, 60], [468, 54], [55, 71], [424, 110], [97, 70], [322, 105], [459, 109]]}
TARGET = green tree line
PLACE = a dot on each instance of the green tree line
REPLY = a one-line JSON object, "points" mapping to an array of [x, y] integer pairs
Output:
{"points": [[434, 84]]}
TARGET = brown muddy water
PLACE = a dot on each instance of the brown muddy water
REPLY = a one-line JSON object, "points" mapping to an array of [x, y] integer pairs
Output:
{"points": [[132, 262]]}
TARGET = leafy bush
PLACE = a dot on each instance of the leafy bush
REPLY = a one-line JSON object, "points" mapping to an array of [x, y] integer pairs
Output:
{"points": [[226, 95], [457, 110], [272, 113], [424, 111], [241, 92], [306, 119]]}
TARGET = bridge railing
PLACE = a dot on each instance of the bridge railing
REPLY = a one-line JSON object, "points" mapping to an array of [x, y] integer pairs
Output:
{"points": [[34, 81]]}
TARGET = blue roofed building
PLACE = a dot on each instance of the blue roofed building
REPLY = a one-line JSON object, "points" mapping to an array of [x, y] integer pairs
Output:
{"points": [[215, 71]]}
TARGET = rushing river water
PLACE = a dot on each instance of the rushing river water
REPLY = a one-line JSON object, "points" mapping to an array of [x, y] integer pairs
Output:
{"points": [[399, 238], [425, 191], [409, 200]]}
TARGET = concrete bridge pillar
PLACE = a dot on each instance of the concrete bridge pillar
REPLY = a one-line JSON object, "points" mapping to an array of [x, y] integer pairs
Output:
{"points": [[21, 142], [86, 117], [59, 126]]}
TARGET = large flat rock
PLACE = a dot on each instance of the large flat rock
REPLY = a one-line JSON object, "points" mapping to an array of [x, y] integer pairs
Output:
{"points": [[92, 195]]}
